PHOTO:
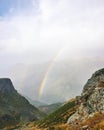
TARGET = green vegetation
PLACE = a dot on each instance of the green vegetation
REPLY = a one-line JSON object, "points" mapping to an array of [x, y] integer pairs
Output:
{"points": [[48, 109], [59, 116], [14, 108]]}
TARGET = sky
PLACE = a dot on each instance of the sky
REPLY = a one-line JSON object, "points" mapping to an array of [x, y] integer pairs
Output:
{"points": [[34, 31]]}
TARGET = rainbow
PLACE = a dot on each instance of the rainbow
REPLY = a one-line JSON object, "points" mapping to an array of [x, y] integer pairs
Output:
{"points": [[41, 88]]}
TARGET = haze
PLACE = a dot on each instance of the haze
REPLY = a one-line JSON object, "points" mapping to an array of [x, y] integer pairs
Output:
{"points": [[32, 34]]}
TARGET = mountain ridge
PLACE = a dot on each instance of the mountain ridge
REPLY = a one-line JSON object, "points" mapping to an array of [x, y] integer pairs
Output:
{"points": [[91, 100], [87, 112], [84, 112], [6, 86], [15, 108]]}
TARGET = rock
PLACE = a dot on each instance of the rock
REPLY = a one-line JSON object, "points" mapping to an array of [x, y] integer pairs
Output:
{"points": [[85, 127], [6, 86], [91, 99], [98, 76]]}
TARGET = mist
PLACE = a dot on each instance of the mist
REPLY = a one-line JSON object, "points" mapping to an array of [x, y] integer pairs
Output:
{"points": [[32, 33]]}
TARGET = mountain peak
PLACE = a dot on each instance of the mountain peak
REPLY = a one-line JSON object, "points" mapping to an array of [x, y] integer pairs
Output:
{"points": [[6, 86], [98, 73], [91, 100], [96, 78], [14, 108]]}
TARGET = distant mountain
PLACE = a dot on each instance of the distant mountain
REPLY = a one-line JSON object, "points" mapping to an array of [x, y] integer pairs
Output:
{"points": [[50, 108], [59, 116], [14, 108], [35, 103], [85, 112], [43, 107]]}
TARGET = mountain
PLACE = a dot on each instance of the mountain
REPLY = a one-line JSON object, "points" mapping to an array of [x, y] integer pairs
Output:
{"points": [[59, 116], [49, 108], [85, 112], [91, 101], [6, 86], [43, 107], [38, 104], [56, 118], [14, 108]]}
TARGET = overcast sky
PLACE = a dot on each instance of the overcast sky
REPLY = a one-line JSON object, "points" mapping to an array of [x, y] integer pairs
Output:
{"points": [[41, 28], [34, 31]]}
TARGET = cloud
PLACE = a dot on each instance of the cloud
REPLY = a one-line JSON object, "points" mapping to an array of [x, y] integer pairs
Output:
{"points": [[71, 22], [33, 31], [56, 24]]}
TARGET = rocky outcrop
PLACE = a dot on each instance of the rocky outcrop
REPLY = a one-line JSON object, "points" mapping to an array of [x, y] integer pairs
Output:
{"points": [[6, 86], [91, 99]]}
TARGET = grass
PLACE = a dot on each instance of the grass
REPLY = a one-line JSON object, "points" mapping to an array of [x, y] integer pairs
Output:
{"points": [[60, 116]]}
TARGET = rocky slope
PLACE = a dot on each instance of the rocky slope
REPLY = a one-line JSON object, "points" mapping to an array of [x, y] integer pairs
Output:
{"points": [[14, 108], [91, 100], [85, 112], [50, 122]]}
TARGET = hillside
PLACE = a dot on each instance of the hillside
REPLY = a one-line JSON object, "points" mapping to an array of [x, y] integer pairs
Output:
{"points": [[50, 108], [59, 116], [85, 112], [90, 106], [91, 99], [14, 108]]}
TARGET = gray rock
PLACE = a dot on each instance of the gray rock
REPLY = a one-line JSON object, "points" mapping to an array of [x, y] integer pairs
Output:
{"points": [[91, 99], [6, 86], [85, 127]]}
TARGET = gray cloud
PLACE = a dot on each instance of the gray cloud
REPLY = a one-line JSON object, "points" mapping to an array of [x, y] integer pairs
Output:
{"points": [[36, 37]]}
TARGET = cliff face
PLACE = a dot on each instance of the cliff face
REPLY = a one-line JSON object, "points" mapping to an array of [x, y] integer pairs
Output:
{"points": [[6, 86], [91, 100], [14, 108]]}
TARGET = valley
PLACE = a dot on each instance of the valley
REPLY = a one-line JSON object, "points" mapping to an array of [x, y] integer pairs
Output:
{"points": [[83, 112]]}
